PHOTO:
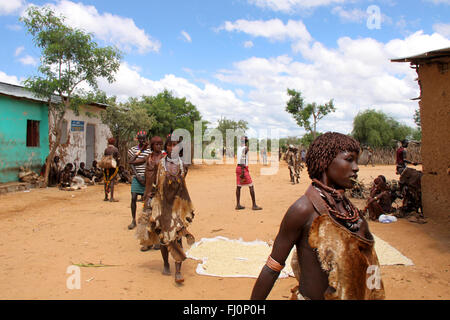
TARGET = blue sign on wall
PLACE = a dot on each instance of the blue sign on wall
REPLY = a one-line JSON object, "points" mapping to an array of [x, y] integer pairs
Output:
{"points": [[77, 126]]}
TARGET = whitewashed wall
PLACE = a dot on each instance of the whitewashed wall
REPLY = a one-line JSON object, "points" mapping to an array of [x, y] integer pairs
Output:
{"points": [[73, 146]]}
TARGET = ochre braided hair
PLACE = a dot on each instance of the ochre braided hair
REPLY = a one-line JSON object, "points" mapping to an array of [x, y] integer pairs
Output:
{"points": [[325, 148]]}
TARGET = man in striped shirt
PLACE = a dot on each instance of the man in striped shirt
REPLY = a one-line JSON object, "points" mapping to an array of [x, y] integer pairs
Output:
{"points": [[142, 150]]}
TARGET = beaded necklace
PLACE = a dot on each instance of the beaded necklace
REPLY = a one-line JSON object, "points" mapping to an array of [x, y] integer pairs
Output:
{"points": [[174, 161], [351, 218]]}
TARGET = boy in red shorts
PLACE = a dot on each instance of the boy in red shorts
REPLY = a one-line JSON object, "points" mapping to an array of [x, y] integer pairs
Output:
{"points": [[243, 175]]}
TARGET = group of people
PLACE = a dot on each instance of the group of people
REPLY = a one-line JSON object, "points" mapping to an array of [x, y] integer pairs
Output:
{"points": [[295, 159], [63, 175], [334, 247], [158, 176], [67, 175], [383, 194], [408, 188], [319, 224], [334, 255]]}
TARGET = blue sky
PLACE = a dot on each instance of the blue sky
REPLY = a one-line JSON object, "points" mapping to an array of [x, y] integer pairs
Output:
{"points": [[236, 58]]}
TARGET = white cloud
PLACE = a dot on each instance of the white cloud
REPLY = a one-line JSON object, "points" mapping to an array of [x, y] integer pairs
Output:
{"points": [[354, 15], [240, 93], [291, 5], [357, 15], [211, 100], [248, 44], [19, 50], [273, 29], [8, 79], [28, 60], [416, 43], [108, 27], [11, 6], [186, 36], [442, 28], [357, 74]]}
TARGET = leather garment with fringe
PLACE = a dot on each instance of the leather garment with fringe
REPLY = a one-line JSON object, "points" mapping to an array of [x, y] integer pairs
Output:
{"points": [[349, 260], [170, 215]]}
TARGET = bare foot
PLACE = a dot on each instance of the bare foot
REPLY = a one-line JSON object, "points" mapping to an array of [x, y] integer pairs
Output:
{"points": [[132, 225], [106, 199], [166, 271], [255, 207], [145, 248], [113, 200], [179, 278], [239, 207]]}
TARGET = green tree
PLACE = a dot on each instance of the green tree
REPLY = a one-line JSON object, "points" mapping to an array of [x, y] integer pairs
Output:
{"points": [[225, 124], [376, 129], [417, 118], [307, 116], [308, 138], [69, 57], [285, 142], [124, 120], [169, 112], [417, 132]]}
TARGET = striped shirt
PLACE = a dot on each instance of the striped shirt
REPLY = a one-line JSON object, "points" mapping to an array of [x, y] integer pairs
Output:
{"points": [[140, 169]]}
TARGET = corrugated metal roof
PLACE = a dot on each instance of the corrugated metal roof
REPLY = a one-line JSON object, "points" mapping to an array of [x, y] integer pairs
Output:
{"points": [[19, 92], [22, 93], [444, 52]]}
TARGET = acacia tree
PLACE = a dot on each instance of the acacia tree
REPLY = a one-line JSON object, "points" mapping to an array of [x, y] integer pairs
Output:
{"points": [[225, 124], [124, 120], [170, 112], [376, 129], [69, 57], [303, 114], [307, 139]]}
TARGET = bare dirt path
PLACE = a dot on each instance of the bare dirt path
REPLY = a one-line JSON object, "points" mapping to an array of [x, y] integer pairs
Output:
{"points": [[44, 231]]}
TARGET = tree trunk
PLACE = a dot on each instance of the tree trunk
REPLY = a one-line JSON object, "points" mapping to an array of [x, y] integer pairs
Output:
{"points": [[57, 129], [314, 129]]}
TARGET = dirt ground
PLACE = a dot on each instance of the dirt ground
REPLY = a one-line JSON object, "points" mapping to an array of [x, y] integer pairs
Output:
{"points": [[44, 231]]}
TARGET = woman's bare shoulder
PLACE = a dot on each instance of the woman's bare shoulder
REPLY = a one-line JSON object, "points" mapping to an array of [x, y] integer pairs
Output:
{"points": [[300, 211]]}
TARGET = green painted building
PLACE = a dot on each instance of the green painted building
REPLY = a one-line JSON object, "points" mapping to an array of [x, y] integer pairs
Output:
{"points": [[23, 131]]}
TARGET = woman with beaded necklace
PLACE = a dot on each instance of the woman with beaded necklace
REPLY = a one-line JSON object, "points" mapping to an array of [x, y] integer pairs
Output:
{"points": [[334, 247], [151, 168], [171, 209]]}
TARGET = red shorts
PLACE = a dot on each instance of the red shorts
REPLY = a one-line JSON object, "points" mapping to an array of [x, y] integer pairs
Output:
{"points": [[246, 181]]}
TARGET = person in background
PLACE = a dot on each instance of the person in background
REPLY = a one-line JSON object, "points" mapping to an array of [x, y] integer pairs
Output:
{"points": [[137, 153], [243, 178]]}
